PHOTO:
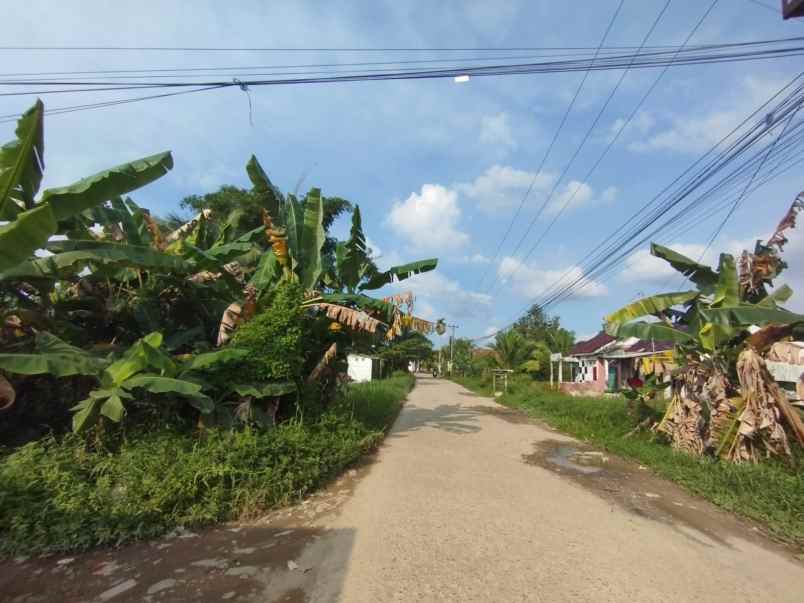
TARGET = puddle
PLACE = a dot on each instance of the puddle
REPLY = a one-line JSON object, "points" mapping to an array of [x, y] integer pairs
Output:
{"points": [[571, 458], [636, 490]]}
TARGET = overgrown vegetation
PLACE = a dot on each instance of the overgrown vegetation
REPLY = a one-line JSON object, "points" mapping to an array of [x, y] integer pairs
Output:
{"points": [[58, 494], [198, 361], [771, 493]]}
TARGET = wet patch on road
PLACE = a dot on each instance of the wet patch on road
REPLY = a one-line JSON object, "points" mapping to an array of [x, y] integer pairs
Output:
{"points": [[635, 489]]}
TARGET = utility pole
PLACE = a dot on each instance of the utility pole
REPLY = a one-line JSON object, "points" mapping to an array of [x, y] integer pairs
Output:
{"points": [[451, 339]]}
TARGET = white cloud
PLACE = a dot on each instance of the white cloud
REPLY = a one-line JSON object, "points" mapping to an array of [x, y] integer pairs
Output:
{"points": [[495, 130], [695, 133], [642, 123], [429, 219], [502, 187], [533, 282], [438, 296], [491, 331], [475, 258], [576, 194]]}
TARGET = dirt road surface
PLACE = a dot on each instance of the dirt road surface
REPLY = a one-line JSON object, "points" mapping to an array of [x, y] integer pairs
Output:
{"points": [[466, 501]]}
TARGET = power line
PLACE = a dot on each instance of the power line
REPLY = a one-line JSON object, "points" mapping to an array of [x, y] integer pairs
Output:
{"points": [[614, 139], [608, 259], [550, 146]]}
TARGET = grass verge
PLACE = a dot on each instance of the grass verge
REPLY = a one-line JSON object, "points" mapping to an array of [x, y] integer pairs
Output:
{"points": [[57, 496], [771, 493]]}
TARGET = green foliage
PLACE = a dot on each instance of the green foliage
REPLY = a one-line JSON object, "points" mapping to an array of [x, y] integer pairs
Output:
{"points": [[407, 348], [512, 349], [57, 496], [771, 493], [274, 338]]}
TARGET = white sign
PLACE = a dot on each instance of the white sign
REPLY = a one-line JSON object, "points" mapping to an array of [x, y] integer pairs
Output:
{"points": [[555, 357]]}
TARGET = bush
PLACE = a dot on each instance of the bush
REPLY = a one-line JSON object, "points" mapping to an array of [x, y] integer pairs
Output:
{"points": [[57, 496], [275, 338]]}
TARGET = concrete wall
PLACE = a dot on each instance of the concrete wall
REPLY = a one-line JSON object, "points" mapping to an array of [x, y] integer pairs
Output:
{"points": [[359, 367]]}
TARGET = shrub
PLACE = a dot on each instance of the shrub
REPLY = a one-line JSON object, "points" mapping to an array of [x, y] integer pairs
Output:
{"points": [[55, 495], [275, 338]]}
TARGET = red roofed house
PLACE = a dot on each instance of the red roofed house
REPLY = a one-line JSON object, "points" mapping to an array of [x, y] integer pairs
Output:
{"points": [[604, 363]]}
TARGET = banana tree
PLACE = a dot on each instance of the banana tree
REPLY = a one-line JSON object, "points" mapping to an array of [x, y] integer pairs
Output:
{"points": [[711, 327], [32, 222]]}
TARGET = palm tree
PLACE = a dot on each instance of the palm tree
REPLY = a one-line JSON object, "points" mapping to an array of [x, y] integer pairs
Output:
{"points": [[512, 349]]}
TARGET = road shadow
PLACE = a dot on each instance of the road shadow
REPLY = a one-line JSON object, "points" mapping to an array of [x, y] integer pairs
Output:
{"points": [[226, 563], [452, 418]]}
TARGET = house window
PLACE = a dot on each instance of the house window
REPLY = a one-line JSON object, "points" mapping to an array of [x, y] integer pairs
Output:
{"points": [[594, 373]]}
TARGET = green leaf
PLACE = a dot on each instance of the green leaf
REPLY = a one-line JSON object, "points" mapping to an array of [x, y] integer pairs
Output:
{"points": [[89, 192], [113, 408], [779, 296], [313, 237], [727, 290], [744, 316], [24, 235], [657, 331], [86, 413], [266, 273], [162, 385], [352, 257], [399, 273], [293, 225], [264, 390], [270, 196], [653, 305], [713, 336], [701, 275], [22, 162], [208, 359], [102, 253], [58, 365], [143, 354]]}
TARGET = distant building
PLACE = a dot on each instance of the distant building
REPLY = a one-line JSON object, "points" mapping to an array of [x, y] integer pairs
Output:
{"points": [[605, 364]]}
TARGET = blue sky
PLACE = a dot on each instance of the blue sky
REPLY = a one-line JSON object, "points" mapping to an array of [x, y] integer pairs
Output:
{"points": [[438, 168]]}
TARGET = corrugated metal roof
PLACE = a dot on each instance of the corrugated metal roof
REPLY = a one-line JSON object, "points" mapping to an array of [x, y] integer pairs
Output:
{"points": [[650, 346], [590, 346]]}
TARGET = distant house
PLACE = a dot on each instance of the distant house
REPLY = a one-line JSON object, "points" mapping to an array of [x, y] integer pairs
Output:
{"points": [[361, 367], [604, 363]]}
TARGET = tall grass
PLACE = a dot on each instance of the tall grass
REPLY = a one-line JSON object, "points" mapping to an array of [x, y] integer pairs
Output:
{"points": [[771, 493], [57, 496]]}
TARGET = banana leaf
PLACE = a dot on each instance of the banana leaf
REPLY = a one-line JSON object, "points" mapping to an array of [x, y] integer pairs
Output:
{"points": [[713, 336], [118, 254], [266, 273], [399, 273], [749, 315], [21, 164], [24, 235], [352, 256], [208, 359], [657, 331], [88, 192], [653, 305], [270, 196], [264, 390], [58, 365], [701, 275], [727, 290], [293, 225], [779, 296], [313, 237], [363, 302]]}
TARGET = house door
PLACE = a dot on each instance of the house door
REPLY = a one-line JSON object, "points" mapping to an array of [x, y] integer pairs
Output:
{"points": [[612, 382]]}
